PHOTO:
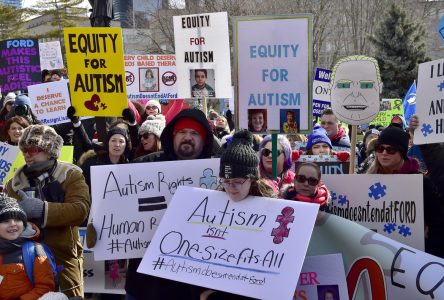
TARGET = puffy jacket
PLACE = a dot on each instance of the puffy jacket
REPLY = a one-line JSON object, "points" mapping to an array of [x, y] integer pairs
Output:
{"points": [[322, 196]]}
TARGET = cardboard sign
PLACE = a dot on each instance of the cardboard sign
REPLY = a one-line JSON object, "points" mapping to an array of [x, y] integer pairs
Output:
{"points": [[8, 154], [151, 77], [96, 70], [389, 109], [377, 267], [249, 247], [322, 278], [50, 101], [51, 55], [354, 89], [273, 73], [391, 205], [203, 55], [430, 104], [66, 155], [329, 164], [19, 64], [128, 201], [321, 91]]}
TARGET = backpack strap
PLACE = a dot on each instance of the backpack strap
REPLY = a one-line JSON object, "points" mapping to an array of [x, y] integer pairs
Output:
{"points": [[28, 251]]}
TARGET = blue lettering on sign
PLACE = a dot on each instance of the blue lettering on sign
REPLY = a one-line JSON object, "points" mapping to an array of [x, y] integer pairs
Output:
{"points": [[322, 75], [319, 106], [274, 51], [275, 99]]}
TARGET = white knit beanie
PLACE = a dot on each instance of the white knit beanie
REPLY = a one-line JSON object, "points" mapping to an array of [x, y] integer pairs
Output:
{"points": [[153, 124]]}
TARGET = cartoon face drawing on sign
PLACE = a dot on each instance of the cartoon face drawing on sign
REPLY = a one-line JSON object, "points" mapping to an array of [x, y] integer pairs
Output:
{"points": [[355, 88]]}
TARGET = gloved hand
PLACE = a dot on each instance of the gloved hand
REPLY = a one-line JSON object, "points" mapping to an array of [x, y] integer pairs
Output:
{"points": [[33, 207], [70, 114], [128, 115], [91, 235]]}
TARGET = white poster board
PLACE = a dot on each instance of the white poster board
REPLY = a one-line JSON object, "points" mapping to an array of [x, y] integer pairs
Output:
{"points": [[50, 55], [429, 103], [202, 43], [273, 72], [249, 247], [391, 205], [50, 101], [150, 76], [8, 154], [321, 91], [322, 277], [128, 201]]}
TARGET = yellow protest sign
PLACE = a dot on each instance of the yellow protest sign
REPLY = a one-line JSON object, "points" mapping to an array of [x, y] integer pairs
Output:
{"points": [[96, 70], [389, 108], [66, 155]]}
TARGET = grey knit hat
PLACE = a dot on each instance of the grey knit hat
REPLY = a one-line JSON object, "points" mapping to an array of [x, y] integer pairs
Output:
{"points": [[10, 209], [153, 124], [44, 137], [239, 160], [10, 97]]}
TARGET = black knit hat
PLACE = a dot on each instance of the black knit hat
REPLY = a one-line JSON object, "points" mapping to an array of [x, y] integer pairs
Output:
{"points": [[239, 160], [122, 132], [396, 137], [10, 209]]}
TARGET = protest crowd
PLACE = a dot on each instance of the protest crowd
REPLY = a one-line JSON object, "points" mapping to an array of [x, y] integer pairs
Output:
{"points": [[47, 200]]}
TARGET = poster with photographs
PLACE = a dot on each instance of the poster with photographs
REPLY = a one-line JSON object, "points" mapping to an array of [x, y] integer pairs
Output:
{"points": [[202, 83]]}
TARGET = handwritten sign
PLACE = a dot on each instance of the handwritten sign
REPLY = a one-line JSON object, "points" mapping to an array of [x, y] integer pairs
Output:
{"points": [[389, 109], [322, 277], [377, 267], [430, 106], [151, 76], [65, 155], [273, 72], [51, 55], [391, 205], [96, 70], [19, 64], [321, 91], [248, 247], [128, 201], [8, 154], [50, 101], [202, 52]]}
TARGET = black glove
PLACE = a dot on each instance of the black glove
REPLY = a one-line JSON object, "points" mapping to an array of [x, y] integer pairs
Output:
{"points": [[128, 115], [70, 114]]}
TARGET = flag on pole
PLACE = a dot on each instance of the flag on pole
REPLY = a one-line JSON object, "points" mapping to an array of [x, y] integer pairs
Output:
{"points": [[409, 102]]}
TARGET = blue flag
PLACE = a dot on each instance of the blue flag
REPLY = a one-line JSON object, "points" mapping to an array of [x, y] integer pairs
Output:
{"points": [[409, 102]]}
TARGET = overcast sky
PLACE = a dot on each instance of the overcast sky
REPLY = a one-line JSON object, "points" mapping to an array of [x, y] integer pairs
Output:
{"points": [[29, 3]]}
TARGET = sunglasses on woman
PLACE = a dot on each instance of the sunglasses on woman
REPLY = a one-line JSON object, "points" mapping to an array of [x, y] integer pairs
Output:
{"points": [[31, 151], [267, 152], [389, 149], [311, 181], [146, 135], [151, 107]]}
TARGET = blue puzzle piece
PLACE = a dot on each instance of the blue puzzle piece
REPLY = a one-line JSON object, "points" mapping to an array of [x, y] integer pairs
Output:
{"points": [[441, 86], [342, 199], [426, 129], [404, 230], [333, 196], [208, 181], [389, 227], [377, 191]]}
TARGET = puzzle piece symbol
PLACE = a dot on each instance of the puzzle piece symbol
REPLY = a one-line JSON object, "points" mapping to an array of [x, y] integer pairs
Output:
{"points": [[282, 231], [426, 129], [208, 179], [389, 227], [404, 230], [377, 191], [342, 199], [334, 196], [441, 86], [103, 105]]}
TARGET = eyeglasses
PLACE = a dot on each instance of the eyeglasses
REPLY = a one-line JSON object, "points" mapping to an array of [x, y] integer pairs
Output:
{"points": [[31, 151], [267, 152], [146, 135], [390, 150], [237, 183], [311, 181], [151, 107]]}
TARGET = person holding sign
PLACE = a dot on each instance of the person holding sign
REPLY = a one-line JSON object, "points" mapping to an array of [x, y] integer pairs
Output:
{"points": [[239, 179], [318, 142], [307, 186], [55, 197]]}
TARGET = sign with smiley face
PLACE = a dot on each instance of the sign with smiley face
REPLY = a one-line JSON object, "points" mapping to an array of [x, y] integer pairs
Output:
{"points": [[355, 88]]}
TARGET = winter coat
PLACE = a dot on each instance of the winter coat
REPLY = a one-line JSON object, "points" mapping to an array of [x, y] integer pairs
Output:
{"points": [[15, 283], [322, 196], [61, 220], [341, 139], [285, 178], [146, 287]]}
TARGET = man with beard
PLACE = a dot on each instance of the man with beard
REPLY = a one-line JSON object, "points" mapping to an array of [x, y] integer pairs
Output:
{"points": [[187, 136]]}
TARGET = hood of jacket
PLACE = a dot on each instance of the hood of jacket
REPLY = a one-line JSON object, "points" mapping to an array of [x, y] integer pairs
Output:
{"points": [[167, 138], [322, 196]]}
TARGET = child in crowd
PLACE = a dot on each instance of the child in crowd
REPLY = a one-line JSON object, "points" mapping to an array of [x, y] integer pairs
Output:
{"points": [[14, 232], [239, 179]]}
